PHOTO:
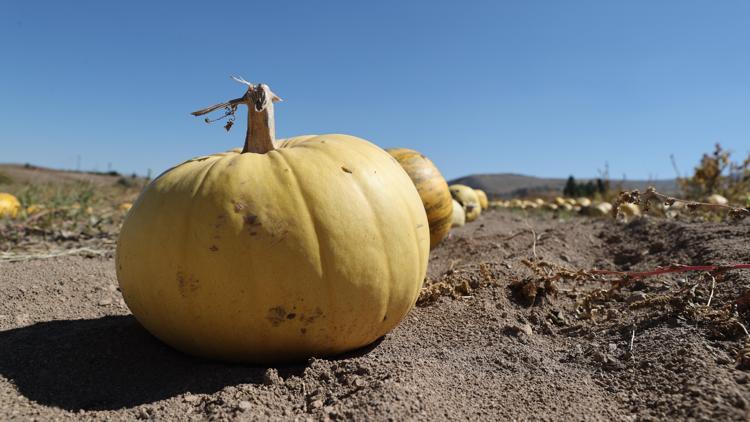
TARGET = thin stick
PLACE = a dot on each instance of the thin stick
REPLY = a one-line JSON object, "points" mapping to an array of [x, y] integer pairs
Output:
{"points": [[237, 101], [713, 285], [671, 269], [632, 339], [674, 166]]}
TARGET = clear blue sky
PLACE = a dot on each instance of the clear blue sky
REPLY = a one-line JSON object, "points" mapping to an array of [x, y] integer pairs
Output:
{"points": [[546, 88]]}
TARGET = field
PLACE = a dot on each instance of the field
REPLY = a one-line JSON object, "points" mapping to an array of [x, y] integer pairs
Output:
{"points": [[489, 339]]}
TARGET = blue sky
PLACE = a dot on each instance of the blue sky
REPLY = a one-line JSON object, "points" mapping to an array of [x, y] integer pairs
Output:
{"points": [[546, 88]]}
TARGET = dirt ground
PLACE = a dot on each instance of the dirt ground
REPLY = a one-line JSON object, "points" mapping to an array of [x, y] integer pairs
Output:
{"points": [[476, 347]]}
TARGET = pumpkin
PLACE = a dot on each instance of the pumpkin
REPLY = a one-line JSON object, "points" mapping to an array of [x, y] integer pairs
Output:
{"points": [[458, 215], [9, 205], [432, 188], [498, 204], [529, 205], [468, 199], [483, 201], [601, 209], [629, 210], [717, 199], [312, 246], [34, 208]]}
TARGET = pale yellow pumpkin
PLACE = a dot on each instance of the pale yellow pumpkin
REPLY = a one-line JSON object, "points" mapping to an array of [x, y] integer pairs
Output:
{"points": [[432, 188], [468, 199], [458, 215], [482, 197], [34, 208], [717, 199], [314, 246], [629, 210], [9, 205]]}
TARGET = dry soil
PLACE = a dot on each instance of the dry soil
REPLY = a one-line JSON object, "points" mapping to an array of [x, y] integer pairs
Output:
{"points": [[475, 348]]}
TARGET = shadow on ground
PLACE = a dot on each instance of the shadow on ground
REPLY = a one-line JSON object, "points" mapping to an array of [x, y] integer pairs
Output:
{"points": [[109, 363]]}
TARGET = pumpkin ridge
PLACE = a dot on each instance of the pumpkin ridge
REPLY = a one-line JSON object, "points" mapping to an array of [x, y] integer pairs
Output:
{"points": [[405, 203], [379, 230], [189, 224], [305, 201]]}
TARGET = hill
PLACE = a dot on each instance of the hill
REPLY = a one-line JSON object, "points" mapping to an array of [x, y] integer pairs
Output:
{"points": [[506, 185], [24, 174]]}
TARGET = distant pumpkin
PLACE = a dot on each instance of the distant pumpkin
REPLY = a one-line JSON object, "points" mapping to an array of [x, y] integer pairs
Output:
{"points": [[629, 210], [432, 188], [468, 199], [458, 215], [34, 208], [717, 199], [483, 201], [9, 205]]}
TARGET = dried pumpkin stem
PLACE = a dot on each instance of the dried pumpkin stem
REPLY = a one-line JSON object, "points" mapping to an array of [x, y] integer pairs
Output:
{"points": [[261, 127]]}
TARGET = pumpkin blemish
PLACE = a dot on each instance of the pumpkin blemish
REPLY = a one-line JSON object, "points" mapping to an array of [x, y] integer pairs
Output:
{"points": [[186, 284], [276, 315]]}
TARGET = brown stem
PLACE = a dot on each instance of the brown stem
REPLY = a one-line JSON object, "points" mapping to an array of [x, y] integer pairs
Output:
{"points": [[261, 127]]}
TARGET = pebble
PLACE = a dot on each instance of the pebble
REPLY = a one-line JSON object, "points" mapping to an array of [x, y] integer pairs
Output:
{"points": [[271, 377], [599, 357], [105, 302], [636, 297], [191, 398], [317, 404], [23, 319], [244, 405]]}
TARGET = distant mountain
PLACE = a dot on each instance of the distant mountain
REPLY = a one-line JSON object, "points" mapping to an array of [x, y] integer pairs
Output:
{"points": [[507, 185]]}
